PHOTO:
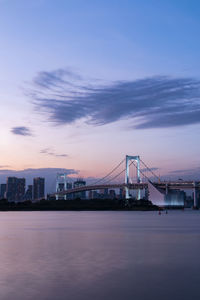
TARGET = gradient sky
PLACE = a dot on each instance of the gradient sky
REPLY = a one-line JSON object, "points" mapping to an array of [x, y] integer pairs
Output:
{"points": [[82, 83]]}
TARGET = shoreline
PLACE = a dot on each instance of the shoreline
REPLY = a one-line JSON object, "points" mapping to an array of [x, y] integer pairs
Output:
{"points": [[78, 205]]}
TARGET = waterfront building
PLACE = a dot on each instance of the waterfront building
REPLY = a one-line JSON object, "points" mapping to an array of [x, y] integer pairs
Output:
{"points": [[15, 188], [79, 183], [90, 194], [38, 188], [94, 195], [166, 197], [69, 185], [2, 190], [197, 199], [112, 194], [105, 193], [11, 188], [175, 198], [121, 193], [21, 185], [29, 193]]}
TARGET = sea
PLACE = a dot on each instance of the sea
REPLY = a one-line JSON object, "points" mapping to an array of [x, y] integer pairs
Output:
{"points": [[101, 255]]}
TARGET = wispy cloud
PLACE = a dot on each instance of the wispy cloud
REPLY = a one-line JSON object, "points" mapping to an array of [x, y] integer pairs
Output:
{"points": [[183, 171], [49, 151], [153, 102], [4, 166], [21, 130], [149, 169], [188, 174]]}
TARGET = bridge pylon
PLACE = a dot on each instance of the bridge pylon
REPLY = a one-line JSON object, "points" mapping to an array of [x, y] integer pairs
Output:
{"points": [[137, 159]]}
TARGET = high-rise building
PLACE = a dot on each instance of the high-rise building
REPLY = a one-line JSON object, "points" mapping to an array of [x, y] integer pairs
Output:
{"points": [[121, 193], [175, 198], [29, 193], [112, 194], [15, 188], [21, 184], [93, 195], [38, 188], [11, 188], [80, 183], [69, 185], [2, 190]]}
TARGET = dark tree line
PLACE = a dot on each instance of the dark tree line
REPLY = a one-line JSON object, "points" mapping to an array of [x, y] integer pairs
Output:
{"points": [[77, 204]]}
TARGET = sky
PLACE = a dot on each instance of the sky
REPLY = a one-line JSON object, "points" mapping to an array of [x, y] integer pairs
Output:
{"points": [[83, 83]]}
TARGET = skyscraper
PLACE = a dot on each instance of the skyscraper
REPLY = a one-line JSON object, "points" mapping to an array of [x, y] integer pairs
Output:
{"points": [[15, 188], [79, 183], [3, 190], [38, 188], [29, 193], [21, 183]]}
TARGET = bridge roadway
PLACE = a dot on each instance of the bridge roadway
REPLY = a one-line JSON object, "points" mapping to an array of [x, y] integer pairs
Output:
{"points": [[135, 186]]}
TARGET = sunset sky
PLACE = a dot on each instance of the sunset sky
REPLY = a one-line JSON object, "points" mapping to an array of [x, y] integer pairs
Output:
{"points": [[83, 83]]}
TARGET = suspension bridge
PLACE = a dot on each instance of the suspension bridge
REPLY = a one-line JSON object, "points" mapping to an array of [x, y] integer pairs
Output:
{"points": [[131, 174]]}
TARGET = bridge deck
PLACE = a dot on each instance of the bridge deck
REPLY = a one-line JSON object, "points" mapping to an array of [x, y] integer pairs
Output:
{"points": [[161, 185]]}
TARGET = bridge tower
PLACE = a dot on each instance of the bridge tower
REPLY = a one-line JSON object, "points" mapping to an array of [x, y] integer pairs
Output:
{"points": [[137, 159], [61, 183]]}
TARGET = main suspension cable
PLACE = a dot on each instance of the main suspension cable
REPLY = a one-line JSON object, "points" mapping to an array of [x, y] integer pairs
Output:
{"points": [[119, 173], [149, 170], [109, 173], [141, 172]]}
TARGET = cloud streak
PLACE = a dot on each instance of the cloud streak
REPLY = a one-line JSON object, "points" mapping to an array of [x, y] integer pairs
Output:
{"points": [[149, 169], [21, 130], [185, 174], [48, 151], [155, 102], [185, 171], [4, 166]]}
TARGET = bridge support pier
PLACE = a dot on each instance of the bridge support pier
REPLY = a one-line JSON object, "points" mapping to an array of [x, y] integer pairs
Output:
{"points": [[166, 189], [195, 195]]}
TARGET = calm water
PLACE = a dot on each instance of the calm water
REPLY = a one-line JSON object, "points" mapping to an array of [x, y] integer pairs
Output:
{"points": [[99, 255]]}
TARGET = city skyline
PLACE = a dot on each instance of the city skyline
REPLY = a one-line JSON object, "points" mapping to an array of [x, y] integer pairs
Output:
{"points": [[84, 84], [16, 189]]}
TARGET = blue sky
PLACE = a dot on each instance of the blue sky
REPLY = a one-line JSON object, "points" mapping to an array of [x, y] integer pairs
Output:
{"points": [[125, 58]]}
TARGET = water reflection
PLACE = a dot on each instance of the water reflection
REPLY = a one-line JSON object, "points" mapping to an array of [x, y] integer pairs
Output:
{"points": [[101, 255]]}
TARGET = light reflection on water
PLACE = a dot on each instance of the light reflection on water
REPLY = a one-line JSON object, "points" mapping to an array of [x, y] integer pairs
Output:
{"points": [[101, 255]]}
